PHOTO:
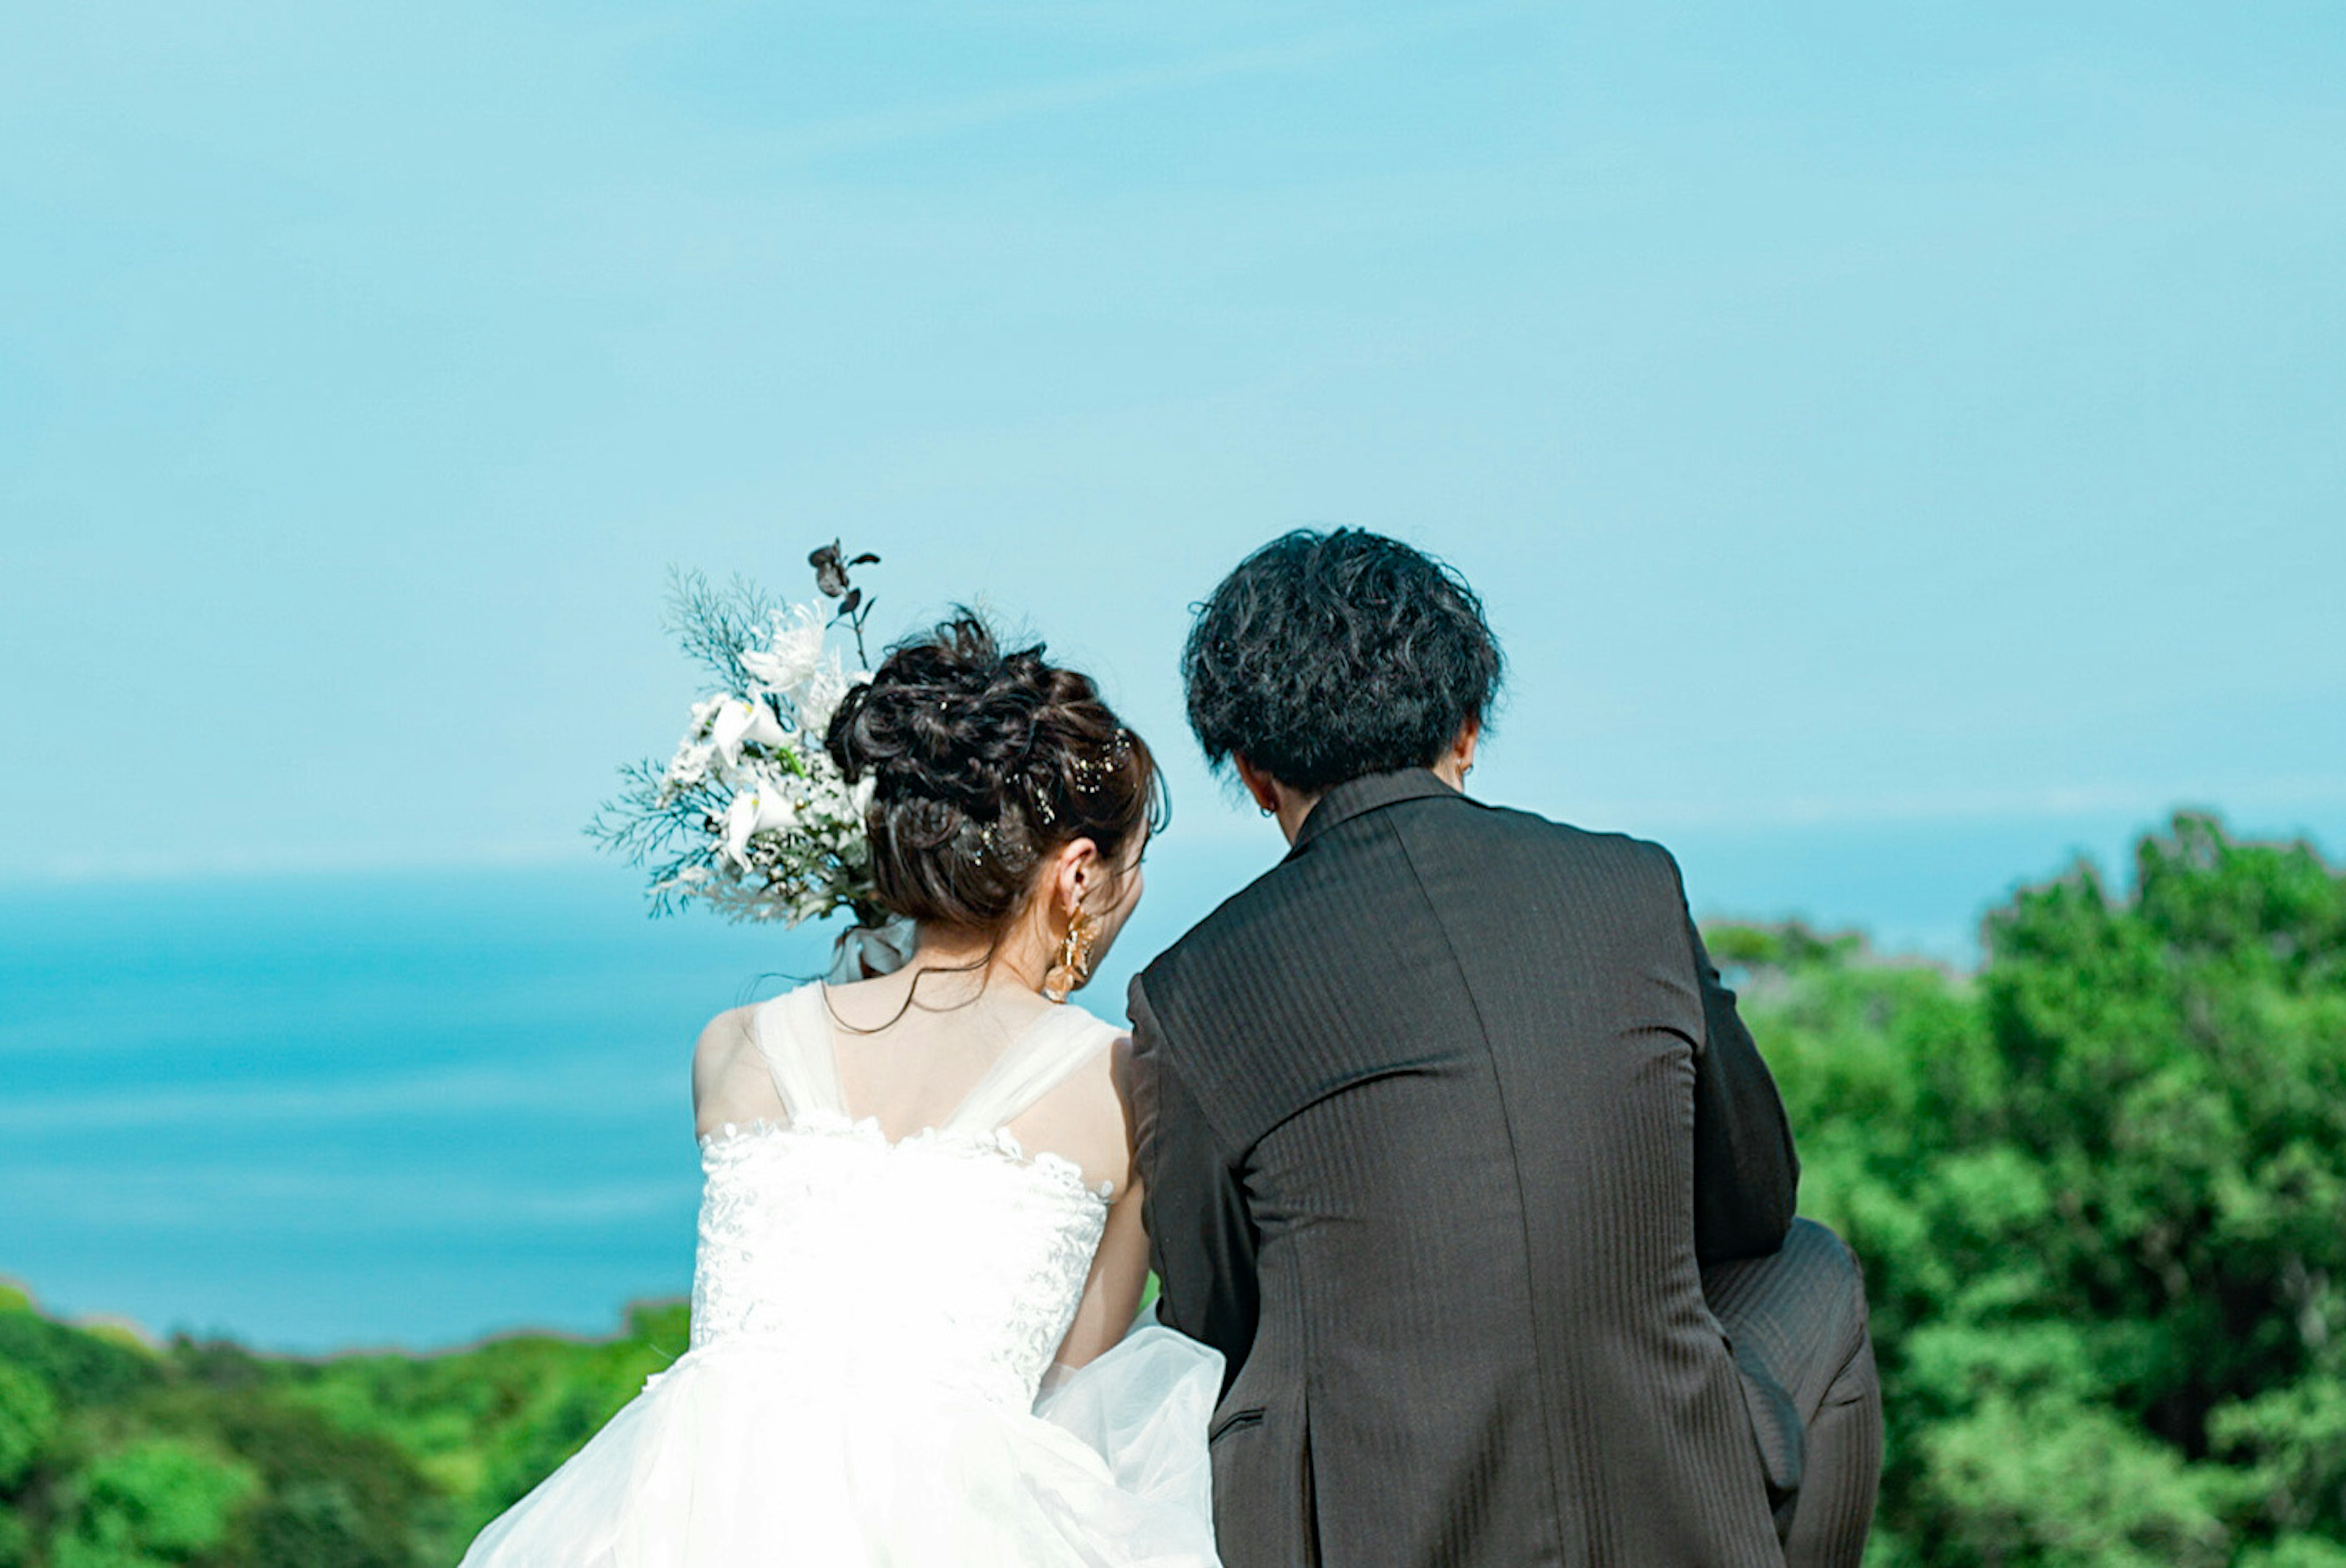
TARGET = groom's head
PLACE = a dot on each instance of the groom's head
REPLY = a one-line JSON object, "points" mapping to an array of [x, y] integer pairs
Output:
{"points": [[1326, 657]]}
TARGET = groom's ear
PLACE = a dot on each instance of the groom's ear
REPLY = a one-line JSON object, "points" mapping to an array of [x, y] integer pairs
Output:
{"points": [[1453, 766], [1259, 784], [1469, 734]]}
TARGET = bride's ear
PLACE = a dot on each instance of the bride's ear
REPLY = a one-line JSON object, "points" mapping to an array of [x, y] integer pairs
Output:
{"points": [[1076, 874]]}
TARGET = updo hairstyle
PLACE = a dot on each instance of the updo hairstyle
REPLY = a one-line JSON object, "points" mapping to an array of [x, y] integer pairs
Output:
{"points": [[984, 764]]}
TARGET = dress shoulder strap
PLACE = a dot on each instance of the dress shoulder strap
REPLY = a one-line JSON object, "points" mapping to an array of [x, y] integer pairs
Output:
{"points": [[794, 1036], [1051, 1052]]}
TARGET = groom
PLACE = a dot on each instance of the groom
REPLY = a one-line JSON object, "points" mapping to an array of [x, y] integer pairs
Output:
{"points": [[1456, 1150]]}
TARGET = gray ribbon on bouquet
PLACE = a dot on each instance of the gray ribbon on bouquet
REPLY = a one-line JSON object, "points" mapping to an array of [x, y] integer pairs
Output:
{"points": [[865, 952]]}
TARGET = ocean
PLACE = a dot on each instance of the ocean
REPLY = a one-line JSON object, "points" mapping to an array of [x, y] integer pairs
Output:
{"points": [[320, 1111]]}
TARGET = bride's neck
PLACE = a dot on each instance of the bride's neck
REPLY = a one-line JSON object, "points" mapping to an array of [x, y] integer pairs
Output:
{"points": [[1019, 959]]}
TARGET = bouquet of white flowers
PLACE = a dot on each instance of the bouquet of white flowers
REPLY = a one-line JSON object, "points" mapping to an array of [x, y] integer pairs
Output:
{"points": [[750, 817]]}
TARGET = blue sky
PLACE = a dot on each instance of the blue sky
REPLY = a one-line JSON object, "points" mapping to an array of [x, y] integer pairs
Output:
{"points": [[1905, 422]]}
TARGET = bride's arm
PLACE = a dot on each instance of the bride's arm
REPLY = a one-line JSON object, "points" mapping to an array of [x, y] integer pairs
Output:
{"points": [[1112, 1295], [1120, 1266]]}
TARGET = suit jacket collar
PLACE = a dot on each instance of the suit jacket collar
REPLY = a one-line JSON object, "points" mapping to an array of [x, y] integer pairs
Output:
{"points": [[1357, 797]]}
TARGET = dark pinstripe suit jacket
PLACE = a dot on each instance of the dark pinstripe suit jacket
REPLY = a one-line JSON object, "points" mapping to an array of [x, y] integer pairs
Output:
{"points": [[1438, 1120]]}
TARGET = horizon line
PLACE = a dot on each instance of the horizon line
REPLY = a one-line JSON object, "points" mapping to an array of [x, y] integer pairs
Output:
{"points": [[2152, 810]]}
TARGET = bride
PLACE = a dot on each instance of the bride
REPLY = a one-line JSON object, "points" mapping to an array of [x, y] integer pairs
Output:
{"points": [[921, 1241]]}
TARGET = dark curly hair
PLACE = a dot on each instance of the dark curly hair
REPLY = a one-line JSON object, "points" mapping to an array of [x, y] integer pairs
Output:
{"points": [[1329, 657], [983, 763]]}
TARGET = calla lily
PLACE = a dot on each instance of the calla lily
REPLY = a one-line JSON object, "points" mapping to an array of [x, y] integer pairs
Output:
{"points": [[742, 719], [755, 811]]}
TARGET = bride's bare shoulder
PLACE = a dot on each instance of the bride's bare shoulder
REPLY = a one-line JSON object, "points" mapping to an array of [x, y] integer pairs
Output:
{"points": [[1084, 1118], [726, 1049], [724, 1038]]}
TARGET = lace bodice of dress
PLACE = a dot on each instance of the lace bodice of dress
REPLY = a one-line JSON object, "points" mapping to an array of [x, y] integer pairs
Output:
{"points": [[947, 1259]]}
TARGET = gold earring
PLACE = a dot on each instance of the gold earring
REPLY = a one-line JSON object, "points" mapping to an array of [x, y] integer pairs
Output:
{"points": [[1075, 960]]}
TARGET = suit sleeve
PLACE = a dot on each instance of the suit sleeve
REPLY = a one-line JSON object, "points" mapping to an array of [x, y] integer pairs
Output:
{"points": [[1746, 1177], [1201, 1241]]}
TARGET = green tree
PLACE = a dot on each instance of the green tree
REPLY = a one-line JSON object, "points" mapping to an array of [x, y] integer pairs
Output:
{"points": [[28, 1423], [2101, 1195], [160, 1500]]}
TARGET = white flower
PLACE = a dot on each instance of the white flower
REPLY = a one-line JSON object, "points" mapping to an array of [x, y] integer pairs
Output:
{"points": [[740, 719], [788, 844], [818, 696], [792, 651], [688, 766], [767, 805]]}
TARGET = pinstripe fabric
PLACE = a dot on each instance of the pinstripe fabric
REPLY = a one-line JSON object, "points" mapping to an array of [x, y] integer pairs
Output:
{"points": [[1423, 1113], [1797, 1321]]}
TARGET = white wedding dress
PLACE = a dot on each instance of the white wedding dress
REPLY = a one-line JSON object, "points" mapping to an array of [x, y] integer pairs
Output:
{"points": [[872, 1323]]}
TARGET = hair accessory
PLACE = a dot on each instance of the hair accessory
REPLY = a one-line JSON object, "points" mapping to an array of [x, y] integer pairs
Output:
{"points": [[1091, 772], [1074, 965]]}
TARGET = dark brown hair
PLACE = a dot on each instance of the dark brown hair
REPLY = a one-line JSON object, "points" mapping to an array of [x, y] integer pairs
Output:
{"points": [[983, 763], [1325, 657]]}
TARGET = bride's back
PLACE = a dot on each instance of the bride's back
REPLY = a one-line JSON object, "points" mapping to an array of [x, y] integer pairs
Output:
{"points": [[918, 1052], [941, 1256]]}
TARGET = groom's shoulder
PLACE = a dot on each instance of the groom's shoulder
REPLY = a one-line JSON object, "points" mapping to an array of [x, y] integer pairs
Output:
{"points": [[1261, 903], [1597, 849], [1522, 840]]}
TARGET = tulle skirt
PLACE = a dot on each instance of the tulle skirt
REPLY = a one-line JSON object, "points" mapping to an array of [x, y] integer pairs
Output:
{"points": [[730, 1459]]}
